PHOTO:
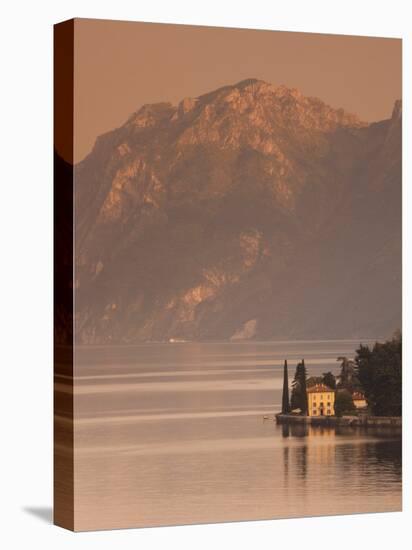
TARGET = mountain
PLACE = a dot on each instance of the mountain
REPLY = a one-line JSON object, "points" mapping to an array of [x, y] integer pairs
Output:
{"points": [[248, 212]]}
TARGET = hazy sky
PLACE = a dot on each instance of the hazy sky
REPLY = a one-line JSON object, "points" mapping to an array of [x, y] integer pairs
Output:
{"points": [[119, 66]]}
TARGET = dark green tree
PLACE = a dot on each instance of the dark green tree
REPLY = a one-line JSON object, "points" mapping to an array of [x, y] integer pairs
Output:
{"points": [[285, 394], [304, 388], [344, 403], [329, 380], [380, 373], [348, 378], [299, 398]]}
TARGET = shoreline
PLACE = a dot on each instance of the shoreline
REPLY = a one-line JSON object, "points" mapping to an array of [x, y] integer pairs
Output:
{"points": [[357, 341], [391, 422]]}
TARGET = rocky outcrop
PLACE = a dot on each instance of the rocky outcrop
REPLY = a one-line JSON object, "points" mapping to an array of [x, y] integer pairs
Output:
{"points": [[248, 212]]}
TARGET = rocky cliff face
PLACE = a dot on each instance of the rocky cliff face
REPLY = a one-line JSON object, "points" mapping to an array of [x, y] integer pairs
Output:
{"points": [[248, 212]]}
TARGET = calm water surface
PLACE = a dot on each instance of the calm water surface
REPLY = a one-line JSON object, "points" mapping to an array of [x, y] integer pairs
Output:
{"points": [[174, 433]]}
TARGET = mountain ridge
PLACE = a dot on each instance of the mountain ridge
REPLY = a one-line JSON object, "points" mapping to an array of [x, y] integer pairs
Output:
{"points": [[224, 217]]}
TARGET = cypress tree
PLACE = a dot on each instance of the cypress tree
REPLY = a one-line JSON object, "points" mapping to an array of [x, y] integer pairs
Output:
{"points": [[299, 398], [285, 395], [303, 387]]}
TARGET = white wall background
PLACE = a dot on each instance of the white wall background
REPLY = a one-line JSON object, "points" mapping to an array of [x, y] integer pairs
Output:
{"points": [[26, 271]]}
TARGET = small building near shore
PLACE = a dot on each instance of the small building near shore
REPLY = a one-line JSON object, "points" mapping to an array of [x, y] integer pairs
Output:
{"points": [[359, 400], [321, 400]]}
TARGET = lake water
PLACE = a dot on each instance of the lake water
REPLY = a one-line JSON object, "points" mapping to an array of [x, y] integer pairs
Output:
{"points": [[174, 433]]}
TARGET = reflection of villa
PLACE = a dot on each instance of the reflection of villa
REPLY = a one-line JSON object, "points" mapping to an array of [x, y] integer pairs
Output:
{"points": [[321, 400]]}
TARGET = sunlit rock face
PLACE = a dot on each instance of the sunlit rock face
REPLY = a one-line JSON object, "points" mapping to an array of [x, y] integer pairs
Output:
{"points": [[251, 212]]}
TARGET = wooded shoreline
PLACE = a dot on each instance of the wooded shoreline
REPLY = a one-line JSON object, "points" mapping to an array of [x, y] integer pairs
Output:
{"points": [[353, 421]]}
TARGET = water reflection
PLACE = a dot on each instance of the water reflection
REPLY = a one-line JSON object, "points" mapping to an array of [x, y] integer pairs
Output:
{"points": [[301, 459], [285, 430], [174, 434], [286, 465], [365, 460], [294, 430]]}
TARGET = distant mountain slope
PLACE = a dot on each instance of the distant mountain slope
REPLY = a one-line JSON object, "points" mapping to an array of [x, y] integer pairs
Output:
{"points": [[248, 212]]}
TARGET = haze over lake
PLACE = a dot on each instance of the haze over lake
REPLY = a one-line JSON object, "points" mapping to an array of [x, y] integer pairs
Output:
{"points": [[174, 433]]}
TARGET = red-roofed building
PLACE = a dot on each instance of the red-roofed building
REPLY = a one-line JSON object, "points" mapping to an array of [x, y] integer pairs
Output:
{"points": [[359, 400]]}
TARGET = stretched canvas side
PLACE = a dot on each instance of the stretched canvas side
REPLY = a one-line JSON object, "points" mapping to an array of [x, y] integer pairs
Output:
{"points": [[63, 276]]}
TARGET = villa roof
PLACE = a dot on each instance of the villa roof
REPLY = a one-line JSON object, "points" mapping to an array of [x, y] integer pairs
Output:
{"points": [[358, 395], [319, 388]]}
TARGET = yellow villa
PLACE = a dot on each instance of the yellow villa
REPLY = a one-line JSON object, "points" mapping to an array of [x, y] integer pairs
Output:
{"points": [[321, 400]]}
